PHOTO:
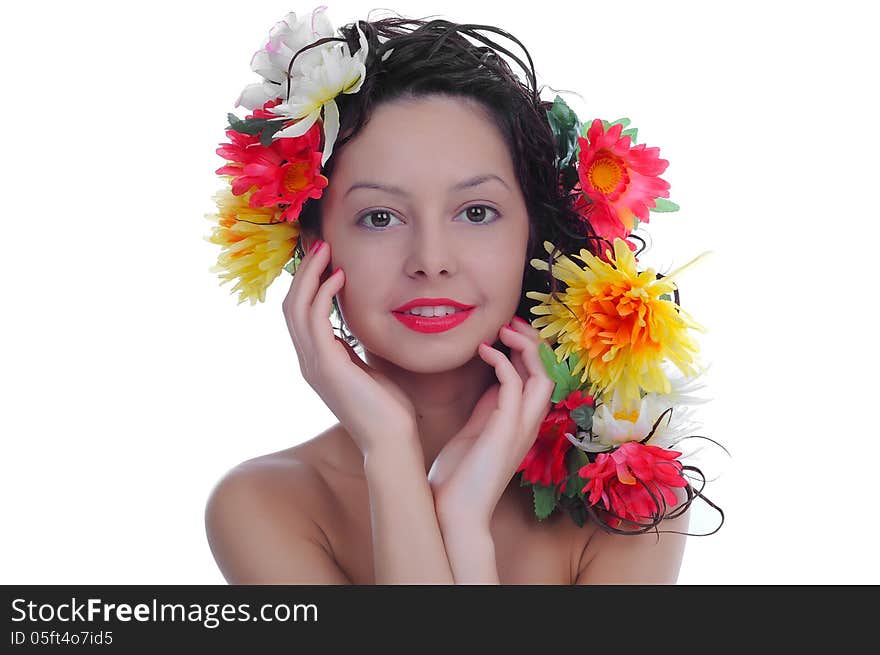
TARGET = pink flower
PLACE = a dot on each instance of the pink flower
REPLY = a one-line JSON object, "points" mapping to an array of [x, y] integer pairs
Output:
{"points": [[622, 179], [625, 480]]}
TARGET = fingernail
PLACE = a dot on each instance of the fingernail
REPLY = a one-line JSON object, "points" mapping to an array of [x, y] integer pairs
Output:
{"points": [[316, 246], [506, 327], [517, 318], [486, 343]]}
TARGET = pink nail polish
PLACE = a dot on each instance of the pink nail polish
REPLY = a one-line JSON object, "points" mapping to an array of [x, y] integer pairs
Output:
{"points": [[517, 318], [316, 246]]}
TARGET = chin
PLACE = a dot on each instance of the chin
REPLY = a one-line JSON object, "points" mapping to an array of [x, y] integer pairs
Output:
{"points": [[426, 357]]}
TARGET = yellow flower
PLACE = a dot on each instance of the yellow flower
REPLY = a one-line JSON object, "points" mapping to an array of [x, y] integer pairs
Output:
{"points": [[254, 251], [613, 317]]}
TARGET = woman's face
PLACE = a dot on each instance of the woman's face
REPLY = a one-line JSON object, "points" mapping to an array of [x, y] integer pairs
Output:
{"points": [[427, 234]]}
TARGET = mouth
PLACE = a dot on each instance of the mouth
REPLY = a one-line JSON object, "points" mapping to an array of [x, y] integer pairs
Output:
{"points": [[433, 324]]}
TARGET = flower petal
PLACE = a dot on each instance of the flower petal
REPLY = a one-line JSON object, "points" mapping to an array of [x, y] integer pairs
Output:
{"points": [[331, 129], [299, 128]]}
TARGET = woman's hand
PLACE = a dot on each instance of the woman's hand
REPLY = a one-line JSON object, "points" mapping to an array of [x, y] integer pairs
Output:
{"points": [[473, 469], [369, 405]]}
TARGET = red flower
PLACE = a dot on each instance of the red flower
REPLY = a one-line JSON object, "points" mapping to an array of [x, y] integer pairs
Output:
{"points": [[545, 461], [625, 479], [621, 178], [286, 173], [604, 223]]}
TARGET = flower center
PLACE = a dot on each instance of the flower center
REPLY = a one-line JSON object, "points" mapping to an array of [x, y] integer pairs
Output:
{"points": [[632, 416], [605, 174], [295, 177]]}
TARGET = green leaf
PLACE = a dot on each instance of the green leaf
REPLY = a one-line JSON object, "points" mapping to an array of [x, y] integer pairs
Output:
{"points": [[576, 460], [632, 133], [268, 131], [619, 121], [562, 390], [635, 222], [558, 371], [289, 266], [562, 114], [583, 416], [250, 126], [605, 125], [666, 296], [545, 500], [664, 205], [574, 487], [565, 126]]}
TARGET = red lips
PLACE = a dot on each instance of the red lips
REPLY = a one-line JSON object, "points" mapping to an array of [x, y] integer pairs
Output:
{"points": [[434, 323], [432, 302]]}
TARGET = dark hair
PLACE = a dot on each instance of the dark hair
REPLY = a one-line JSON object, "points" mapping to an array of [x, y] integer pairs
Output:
{"points": [[434, 58]]}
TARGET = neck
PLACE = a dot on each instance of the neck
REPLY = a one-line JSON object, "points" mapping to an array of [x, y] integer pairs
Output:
{"points": [[443, 401]]}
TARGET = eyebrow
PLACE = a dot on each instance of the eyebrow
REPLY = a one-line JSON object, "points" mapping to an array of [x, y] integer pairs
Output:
{"points": [[466, 184]]}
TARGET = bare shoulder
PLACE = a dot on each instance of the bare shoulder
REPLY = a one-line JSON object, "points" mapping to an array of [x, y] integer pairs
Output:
{"points": [[651, 558], [262, 518]]}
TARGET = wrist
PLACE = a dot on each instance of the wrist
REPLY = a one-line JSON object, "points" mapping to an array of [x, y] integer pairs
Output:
{"points": [[395, 447], [454, 519]]}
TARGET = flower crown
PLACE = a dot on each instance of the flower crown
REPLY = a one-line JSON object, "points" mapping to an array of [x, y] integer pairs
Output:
{"points": [[624, 359]]}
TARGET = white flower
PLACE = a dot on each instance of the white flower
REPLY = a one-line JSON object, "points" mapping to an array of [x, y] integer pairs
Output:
{"points": [[612, 426], [324, 77], [272, 61]]}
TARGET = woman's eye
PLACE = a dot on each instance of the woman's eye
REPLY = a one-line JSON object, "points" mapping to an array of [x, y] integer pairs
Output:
{"points": [[382, 220], [476, 217]]}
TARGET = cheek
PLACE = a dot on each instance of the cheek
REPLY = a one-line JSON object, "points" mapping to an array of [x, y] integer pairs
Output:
{"points": [[500, 282], [365, 292], [505, 262]]}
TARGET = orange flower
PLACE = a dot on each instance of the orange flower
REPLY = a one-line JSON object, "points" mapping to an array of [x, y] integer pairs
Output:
{"points": [[617, 321]]}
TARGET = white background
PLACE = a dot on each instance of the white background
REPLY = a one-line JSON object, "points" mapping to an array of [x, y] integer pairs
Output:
{"points": [[131, 381]]}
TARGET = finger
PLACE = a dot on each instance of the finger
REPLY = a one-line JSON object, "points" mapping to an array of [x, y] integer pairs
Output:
{"points": [[539, 385], [318, 316], [306, 279], [523, 327], [302, 294], [510, 393], [516, 360]]}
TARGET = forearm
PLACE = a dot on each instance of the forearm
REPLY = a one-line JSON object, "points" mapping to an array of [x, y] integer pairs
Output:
{"points": [[471, 551], [407, 543]]}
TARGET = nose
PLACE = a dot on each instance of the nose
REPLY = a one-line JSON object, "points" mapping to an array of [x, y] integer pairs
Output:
{"points": [[432, 250]]}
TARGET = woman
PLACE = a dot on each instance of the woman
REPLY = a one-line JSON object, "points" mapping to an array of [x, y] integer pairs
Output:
{"points": [[442, 186]]}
